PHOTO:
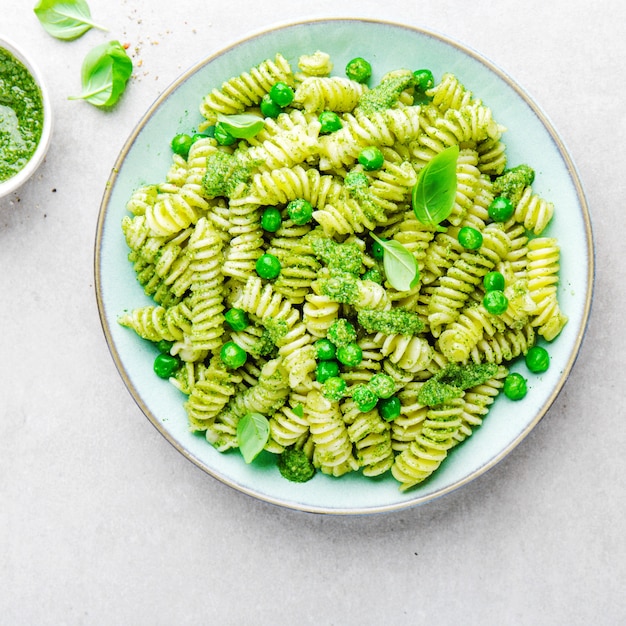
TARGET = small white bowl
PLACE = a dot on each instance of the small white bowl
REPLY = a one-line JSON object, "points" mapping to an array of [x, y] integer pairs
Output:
{"points": [[10, 185]]}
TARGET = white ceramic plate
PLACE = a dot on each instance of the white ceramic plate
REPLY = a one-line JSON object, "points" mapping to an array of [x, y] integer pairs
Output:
{"points": [[530, 139]]}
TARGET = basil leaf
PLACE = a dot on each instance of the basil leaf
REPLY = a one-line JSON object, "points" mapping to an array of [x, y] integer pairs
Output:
{"points": [[253, 431], [400, 265], [105, 71], [435, 189], [241, 126], [65, 19]]}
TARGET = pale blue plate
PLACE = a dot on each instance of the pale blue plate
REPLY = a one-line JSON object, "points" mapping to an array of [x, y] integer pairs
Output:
{"points": [[530, 138]]}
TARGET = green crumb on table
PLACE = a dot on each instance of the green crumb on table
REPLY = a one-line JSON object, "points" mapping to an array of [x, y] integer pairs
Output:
{"points": [[395, 321], [512, 183], [294, 465], [341, 333], [386, 93]]}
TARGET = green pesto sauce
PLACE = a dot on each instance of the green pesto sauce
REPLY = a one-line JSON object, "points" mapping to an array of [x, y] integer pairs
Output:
{"points": [[341, 333], [395, 321], [344, 257], [21, 115], [386, 93], [225, 174], [451, 381], [341, 287], [512, 183]]}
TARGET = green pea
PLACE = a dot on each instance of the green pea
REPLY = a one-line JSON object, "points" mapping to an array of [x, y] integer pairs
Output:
{"points": [[496, 302], [268, 107], [329, 122], [198, 136], [515, 387], [364, 398], [382, 385], [537, 360], [374, 275], [350, 354], [281, 94], [501, 209], [325, 350], [268, 266], [424, 80], [334, 388], [389, 408], [237, 319], [232, 355], [493, 281], [470, 238], [326, 370], [164, 345], [181, 143], [359, 69], [300, 211], [222, 136], [271, 219], [378, 252], [165, 365], [371, 158]]}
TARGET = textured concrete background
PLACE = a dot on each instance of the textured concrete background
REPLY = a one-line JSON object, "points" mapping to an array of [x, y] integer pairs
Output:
{"points": [[103, 522]]}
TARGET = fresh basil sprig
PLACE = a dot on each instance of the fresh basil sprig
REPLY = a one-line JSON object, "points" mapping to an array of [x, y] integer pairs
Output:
{"points": [[435, 189], [253, 431], [105, 72], [400, 265], [241, 126], [65, 19]]}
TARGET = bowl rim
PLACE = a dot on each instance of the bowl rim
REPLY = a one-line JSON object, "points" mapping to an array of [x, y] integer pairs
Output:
{"points": [[15, 182], [567, 366]]}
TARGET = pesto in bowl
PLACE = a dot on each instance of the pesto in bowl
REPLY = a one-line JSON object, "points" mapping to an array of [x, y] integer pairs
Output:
{"points": [[24, 118]]}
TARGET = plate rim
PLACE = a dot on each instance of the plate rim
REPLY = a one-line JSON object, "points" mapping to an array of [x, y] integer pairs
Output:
{"points": [[567, 367]]}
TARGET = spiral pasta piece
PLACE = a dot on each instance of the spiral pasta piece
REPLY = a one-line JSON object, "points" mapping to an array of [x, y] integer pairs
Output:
{"points": [[533, 211], [175, 211], [206, 301], [503, 345], [289, 425], [459, 338], [542, 272], [333, 449], [157, 322], [408, 425], [371, 437], [462, 278], [476, 403], [319, 312], [424, 455], [299, 265], [209, 395], [333, 93], [410, 353], [142, 198], [247, 89], [246, 245]]}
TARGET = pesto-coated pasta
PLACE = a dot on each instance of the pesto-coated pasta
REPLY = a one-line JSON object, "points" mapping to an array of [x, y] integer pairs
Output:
{"points": [[353, 368]]}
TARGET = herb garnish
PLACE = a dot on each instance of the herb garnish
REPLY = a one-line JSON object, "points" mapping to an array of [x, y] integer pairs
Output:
{"points": [[435, 189], [400, 265], [241, 126], [253, 432], [105, 71], [65, 19]]}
